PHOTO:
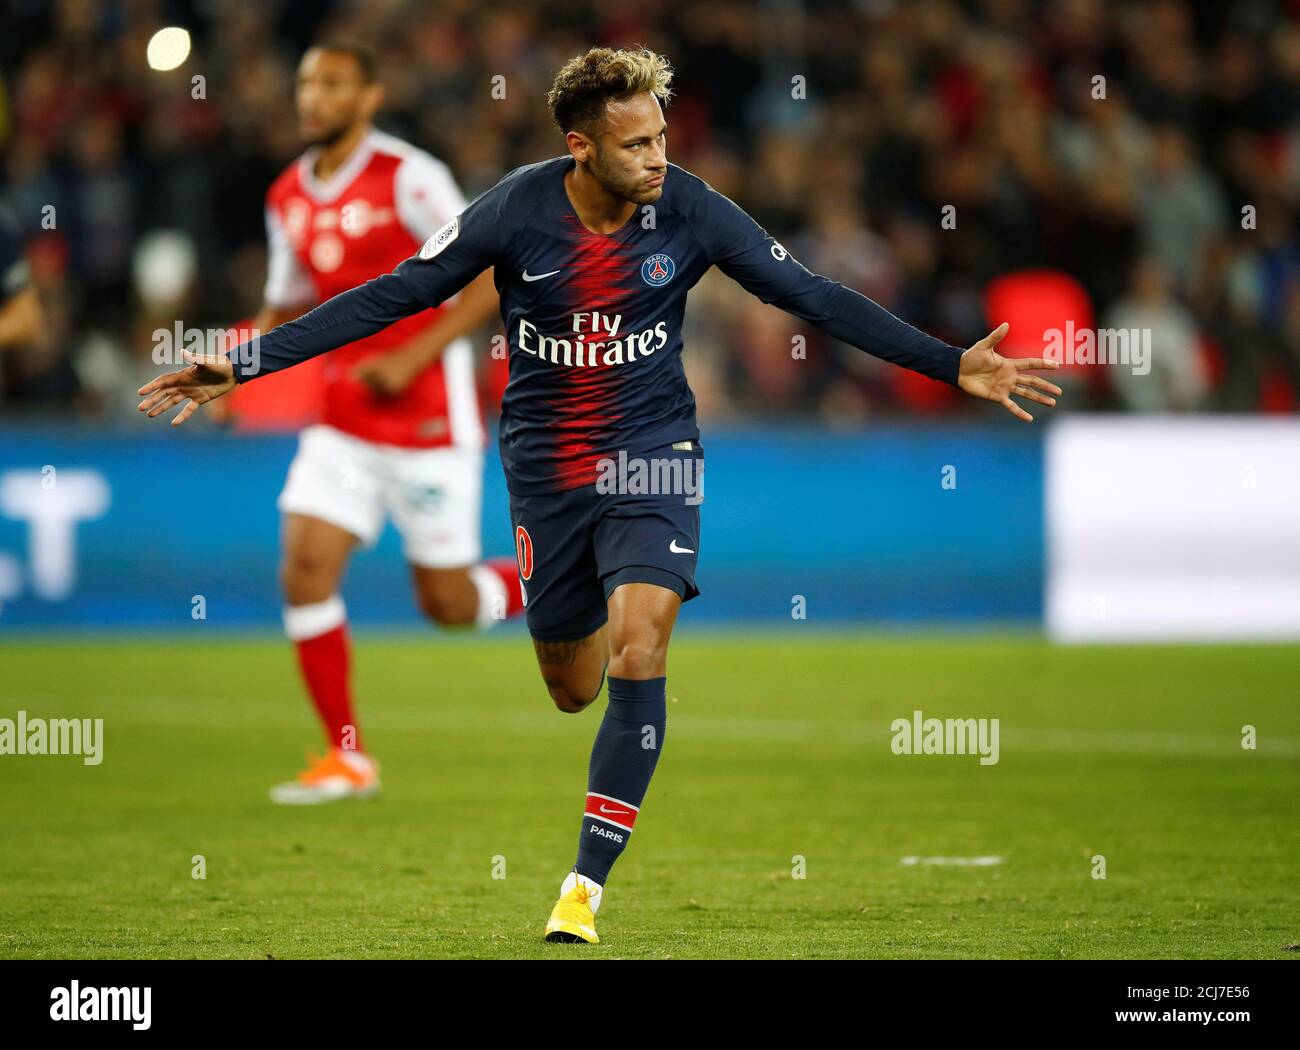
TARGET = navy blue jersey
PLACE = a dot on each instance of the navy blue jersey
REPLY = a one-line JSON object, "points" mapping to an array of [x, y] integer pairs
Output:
{"points": [[594, 321]]}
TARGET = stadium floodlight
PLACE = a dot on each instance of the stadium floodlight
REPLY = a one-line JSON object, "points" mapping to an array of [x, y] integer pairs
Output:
{"points": [[168, 48]]}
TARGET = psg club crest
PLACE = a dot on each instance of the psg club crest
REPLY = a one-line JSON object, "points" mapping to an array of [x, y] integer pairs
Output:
{"points": [[658, 270]]}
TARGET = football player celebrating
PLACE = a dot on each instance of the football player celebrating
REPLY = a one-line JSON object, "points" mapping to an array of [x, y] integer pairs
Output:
{"points": [[594, 253]]}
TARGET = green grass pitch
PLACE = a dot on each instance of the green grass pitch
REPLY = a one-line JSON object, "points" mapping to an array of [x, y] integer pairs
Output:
{"points": [[778, 747]]}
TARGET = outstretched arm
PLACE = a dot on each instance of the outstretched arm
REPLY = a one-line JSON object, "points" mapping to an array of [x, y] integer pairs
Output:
{"points": [[449, 260], [744, 251], [349, 316], [391, 373]]}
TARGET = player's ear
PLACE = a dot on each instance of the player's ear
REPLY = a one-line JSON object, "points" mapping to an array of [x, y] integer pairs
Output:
{"points": [[578, 143], [374, 98]]}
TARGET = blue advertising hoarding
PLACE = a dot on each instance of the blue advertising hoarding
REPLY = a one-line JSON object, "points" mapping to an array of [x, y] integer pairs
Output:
{"points": [[906, 524]]}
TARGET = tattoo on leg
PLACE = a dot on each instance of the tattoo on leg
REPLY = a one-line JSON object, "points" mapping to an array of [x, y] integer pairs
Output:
{"points": [[560, 654]]}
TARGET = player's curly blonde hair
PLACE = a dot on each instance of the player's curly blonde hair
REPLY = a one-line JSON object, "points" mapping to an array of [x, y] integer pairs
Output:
{"points": [[586, 82]]}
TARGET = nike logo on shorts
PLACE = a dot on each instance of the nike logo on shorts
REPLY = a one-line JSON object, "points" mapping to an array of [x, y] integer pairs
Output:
{"points": [[673, 548], [538, 276]]}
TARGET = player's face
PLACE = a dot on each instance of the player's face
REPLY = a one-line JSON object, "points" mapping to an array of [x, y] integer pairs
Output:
{"points": [[332, 96], [629, 156]]}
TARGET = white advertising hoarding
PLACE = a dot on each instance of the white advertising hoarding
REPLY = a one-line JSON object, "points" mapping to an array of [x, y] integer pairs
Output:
{"points": [[1173, 529]]}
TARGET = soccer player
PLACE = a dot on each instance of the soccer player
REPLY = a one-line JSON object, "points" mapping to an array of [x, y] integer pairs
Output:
{"points": [[594, 253], [400, 434]]}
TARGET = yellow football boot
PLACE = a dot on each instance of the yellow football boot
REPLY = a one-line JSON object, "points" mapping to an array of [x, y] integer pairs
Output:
{"points": [[573, 918]]}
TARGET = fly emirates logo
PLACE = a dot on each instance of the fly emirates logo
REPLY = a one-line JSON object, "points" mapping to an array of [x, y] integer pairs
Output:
{"points": [[596, 339]]}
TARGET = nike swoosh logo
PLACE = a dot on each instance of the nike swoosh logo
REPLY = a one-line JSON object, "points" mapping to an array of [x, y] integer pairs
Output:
{"points": [[620, 812], [673, 548], [538, 276]]}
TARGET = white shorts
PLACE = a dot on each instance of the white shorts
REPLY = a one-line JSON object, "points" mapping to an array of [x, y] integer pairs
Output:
{"points": [[434, 495]]}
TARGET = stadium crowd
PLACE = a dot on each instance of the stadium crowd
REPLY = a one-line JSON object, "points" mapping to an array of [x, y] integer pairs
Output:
{"points": [[1145, 156]]}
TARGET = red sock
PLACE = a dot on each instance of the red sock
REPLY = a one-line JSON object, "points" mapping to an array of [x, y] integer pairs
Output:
{"points": [[508, 570], [325, 661]]}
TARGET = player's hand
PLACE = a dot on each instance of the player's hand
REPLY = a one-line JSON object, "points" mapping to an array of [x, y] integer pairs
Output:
{"points": [[388, 375], [986, 373], [206, 379]]}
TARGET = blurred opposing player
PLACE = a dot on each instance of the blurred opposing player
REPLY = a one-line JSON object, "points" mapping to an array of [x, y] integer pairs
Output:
{"points": [[594, 253], [400, 434]]}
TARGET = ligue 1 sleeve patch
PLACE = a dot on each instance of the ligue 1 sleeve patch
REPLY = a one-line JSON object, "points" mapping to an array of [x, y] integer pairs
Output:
{"points": [[441, 239]]}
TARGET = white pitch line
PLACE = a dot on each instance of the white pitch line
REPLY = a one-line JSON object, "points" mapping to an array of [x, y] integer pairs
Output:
{"points": [[957, 862]]}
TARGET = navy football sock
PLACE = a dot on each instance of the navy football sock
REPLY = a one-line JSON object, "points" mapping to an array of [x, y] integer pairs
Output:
{"points": [[623, 760]]}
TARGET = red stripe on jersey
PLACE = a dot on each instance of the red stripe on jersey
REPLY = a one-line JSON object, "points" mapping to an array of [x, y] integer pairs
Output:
{"points": [[602, 265], [611, 810]]}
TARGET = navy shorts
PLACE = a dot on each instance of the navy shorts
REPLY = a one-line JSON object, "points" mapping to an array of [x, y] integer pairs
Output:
{"points": [[640, 523]]}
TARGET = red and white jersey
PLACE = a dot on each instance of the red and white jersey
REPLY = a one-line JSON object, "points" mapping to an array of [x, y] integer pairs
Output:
{"points": [[324, 237]]}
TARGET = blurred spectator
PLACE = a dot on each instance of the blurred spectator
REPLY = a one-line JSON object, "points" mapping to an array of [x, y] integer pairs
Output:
{"points": [[1172, 375], [1260, 329], [20, 313], [1180, 210]]}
